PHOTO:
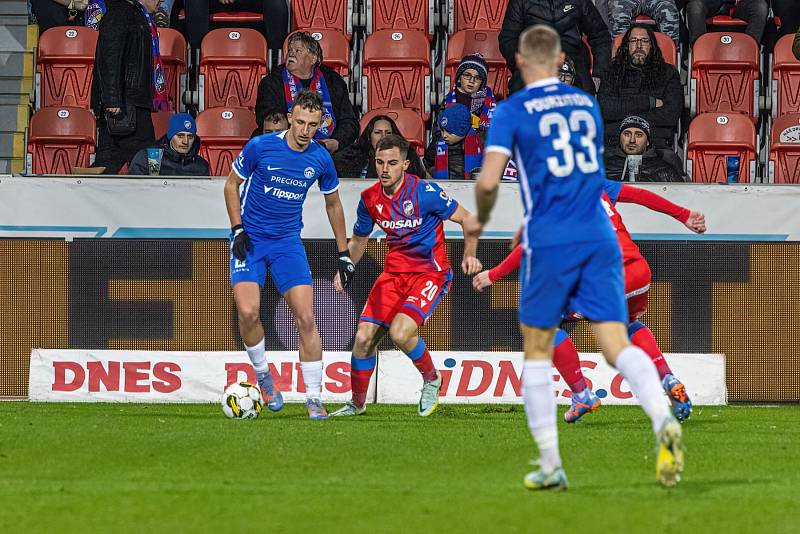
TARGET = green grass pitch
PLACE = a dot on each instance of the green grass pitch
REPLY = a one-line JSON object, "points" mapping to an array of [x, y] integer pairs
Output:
{"points": [[185, 468]]}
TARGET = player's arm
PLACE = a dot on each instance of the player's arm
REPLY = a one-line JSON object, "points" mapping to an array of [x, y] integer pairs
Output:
{"points": [[241, 241], [470, 264], [693, 220], [507, 266]]}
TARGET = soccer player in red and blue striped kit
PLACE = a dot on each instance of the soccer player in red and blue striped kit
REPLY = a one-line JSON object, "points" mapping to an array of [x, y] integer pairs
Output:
{"points": [[416, 274]]}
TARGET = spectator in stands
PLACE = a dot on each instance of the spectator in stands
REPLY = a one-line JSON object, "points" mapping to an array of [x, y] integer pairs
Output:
{"points": [[457, 150], [664, 12], [176, 154], [304, 70], [640, 82], [566, 74], [128, 82], [470, 89], [274, 121], [753, 11], [358, 159], [51, 13], [275, 12], [571, 19], [789, 16], [635, 159]]}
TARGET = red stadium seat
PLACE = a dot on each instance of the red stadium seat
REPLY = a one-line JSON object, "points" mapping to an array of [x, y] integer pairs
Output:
{"points": [[667, 46], [161, 122], [232, 63], [476, 14], [725, 74], [64, 64], [329, 14], [223, 132], [644, 19], [719, 22], [713, 139], [785, 80], [174, 58], [409, 122], [784, 150], [232, 18], [396, 71], [60, 138], [483, 41], [335, 49], [400, 15]]}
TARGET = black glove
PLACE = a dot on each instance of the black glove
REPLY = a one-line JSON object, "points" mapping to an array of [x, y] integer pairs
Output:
{"points": [[346, 268], [241, 243]]}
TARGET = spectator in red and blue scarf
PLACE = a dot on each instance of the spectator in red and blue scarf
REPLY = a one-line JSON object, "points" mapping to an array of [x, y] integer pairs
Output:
{"points": [[470, 89], [303, 69], [456, 150]]}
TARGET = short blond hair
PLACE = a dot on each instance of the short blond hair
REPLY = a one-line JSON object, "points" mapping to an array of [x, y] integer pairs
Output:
{"points": [[540, 44]]}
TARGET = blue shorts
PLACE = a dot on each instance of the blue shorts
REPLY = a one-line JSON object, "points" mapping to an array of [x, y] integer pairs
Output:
{"points": [[579, 277], [285, 258]]}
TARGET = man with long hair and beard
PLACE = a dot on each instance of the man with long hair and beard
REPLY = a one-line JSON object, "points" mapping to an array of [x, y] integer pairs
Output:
{"points": [[641, 83]]}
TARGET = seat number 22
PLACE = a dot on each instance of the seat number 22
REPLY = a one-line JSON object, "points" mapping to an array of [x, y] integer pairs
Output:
{"points": [[580, 121]]}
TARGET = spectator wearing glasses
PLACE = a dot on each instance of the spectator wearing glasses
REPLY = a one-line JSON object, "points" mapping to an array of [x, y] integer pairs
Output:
{"points": [[471, 90]]}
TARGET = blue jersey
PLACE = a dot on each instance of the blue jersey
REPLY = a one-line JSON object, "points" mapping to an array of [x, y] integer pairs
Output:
{"points": [[554, 134], [412, 219], [277, 179]]}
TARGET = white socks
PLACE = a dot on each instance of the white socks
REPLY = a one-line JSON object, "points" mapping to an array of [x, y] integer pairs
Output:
{"points": [[540, 406], [312, 376], [257, 357], [636, 367]]}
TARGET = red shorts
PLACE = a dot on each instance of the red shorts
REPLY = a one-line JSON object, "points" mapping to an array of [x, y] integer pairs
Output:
{"points": [[414, 294], [637, 285]]}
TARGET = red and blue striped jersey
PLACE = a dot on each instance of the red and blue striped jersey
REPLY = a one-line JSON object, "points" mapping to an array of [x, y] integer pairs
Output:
{"points": [[413, 221]]}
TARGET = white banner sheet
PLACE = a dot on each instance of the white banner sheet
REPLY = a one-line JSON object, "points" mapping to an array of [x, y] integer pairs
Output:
{"points": [[479, 377]]}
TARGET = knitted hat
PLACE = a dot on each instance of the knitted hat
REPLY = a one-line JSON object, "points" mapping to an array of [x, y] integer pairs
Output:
{"points": [[456, 119], [181, 122], [473, 61], [635, 122]]}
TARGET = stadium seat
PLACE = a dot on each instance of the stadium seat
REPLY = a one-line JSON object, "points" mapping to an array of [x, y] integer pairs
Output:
{"points": [[409, 122], [667, 46], [232, 63], [172, 46], [396, 71], [64, 64], [223, 132], [335, 49], [233, 18], [724, 74], [160, 122], [716, 137], [60, 138], [400, 15], [476, 14], [724, 22], [328, 14], [644, 19], [784, 150], [483, 41], [785, 79]]}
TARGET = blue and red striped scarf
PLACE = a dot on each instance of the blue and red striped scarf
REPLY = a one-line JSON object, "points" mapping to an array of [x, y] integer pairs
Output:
{"points": [[473, 156], [160, 100], [292, 85]]}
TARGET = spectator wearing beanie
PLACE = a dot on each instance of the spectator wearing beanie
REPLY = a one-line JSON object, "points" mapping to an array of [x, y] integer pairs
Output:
{"points": [[456, 150], [176, 154], [566, 72], [471, 90], [634, 158]]}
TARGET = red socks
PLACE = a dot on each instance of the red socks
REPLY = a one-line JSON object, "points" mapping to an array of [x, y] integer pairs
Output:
{"points": [[642, 337], [360, 373], [565, 358]]}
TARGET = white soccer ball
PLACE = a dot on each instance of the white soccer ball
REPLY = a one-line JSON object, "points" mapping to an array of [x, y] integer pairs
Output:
{"points": [[242, 400]]}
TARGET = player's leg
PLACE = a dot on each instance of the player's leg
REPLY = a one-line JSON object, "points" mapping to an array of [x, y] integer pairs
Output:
{"points": [[567, 361], [362, 365]]}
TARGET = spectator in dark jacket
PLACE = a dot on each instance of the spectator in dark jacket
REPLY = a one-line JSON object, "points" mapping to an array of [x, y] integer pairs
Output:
{"points": [[50, 13], [176, 154], [128, 83], [635, 159], [358, 159], [787, 11], [640, 82], [304, 70], [753, 11], [571, 19]]}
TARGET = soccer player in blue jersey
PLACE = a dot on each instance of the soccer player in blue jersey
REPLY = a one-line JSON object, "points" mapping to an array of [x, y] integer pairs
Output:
{"points": [[277, 171], [572, 260]]}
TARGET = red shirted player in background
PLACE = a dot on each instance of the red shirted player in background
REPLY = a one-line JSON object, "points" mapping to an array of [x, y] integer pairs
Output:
{"points": [[637, 285], [416, 273]]}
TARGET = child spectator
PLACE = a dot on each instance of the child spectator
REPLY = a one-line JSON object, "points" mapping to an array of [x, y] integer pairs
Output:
{"points": [[456, 149], [471, 90]]}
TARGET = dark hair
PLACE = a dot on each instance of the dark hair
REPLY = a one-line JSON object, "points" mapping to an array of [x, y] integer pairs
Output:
{"points": [[393, 141], [309, 100], [364, 143], [273, 115], [651, 70], [309, 43]]}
